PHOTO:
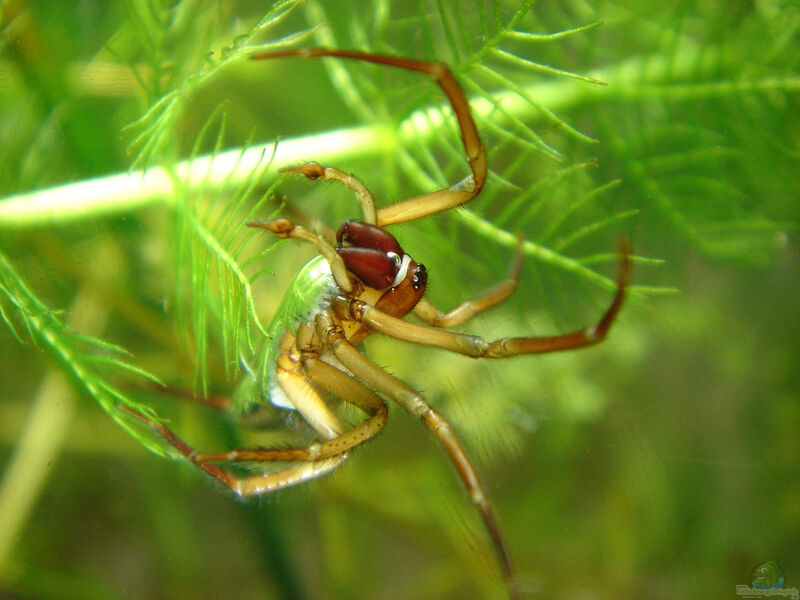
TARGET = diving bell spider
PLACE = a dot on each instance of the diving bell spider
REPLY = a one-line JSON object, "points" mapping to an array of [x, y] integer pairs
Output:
{"points": [[366, 284]]}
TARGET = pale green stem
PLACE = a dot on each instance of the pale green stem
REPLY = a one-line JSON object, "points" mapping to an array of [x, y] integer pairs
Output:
{"points": [[661, 76], [125, 192]]}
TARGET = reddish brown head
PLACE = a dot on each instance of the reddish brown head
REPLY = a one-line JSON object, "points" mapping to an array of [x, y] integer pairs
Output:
{"points": [[374, 256]]}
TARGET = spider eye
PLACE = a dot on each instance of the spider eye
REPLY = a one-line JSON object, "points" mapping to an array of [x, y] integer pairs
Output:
{"points": [[420, 277]]}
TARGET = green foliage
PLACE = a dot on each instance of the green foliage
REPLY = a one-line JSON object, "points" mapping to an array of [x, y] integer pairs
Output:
{"points": [[91, 364], [138, 139]]}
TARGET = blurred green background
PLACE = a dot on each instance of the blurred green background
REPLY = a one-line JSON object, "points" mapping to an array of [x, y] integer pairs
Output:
{"points": [[662, 463]]}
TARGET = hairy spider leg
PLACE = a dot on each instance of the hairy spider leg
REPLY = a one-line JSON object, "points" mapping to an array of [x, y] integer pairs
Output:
{"points": [[295, 372], [242, 486], [427, 311], [413, 402], [434, 202], [477, 347], [339, 384], [286, 229], [316, 171]]}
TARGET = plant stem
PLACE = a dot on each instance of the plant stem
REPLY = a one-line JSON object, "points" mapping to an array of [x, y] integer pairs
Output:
{"points": [[674, 76]]}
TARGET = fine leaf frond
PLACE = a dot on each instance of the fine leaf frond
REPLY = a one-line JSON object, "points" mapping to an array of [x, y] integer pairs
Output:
{"points": [[574, 208], [543, 37], [702, 162], [212, 238], [536, 66], [157, 125], [90, 373], [531, 137], [593, 228]]}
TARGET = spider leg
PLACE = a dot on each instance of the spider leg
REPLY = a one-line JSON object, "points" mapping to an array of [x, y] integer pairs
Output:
{"points": [[428, 312], [434, 202], [343, 386], [315, 171], [286, 229], [249, 485], [316, 460], [475, 346], [242, 486], [414, 403]]}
